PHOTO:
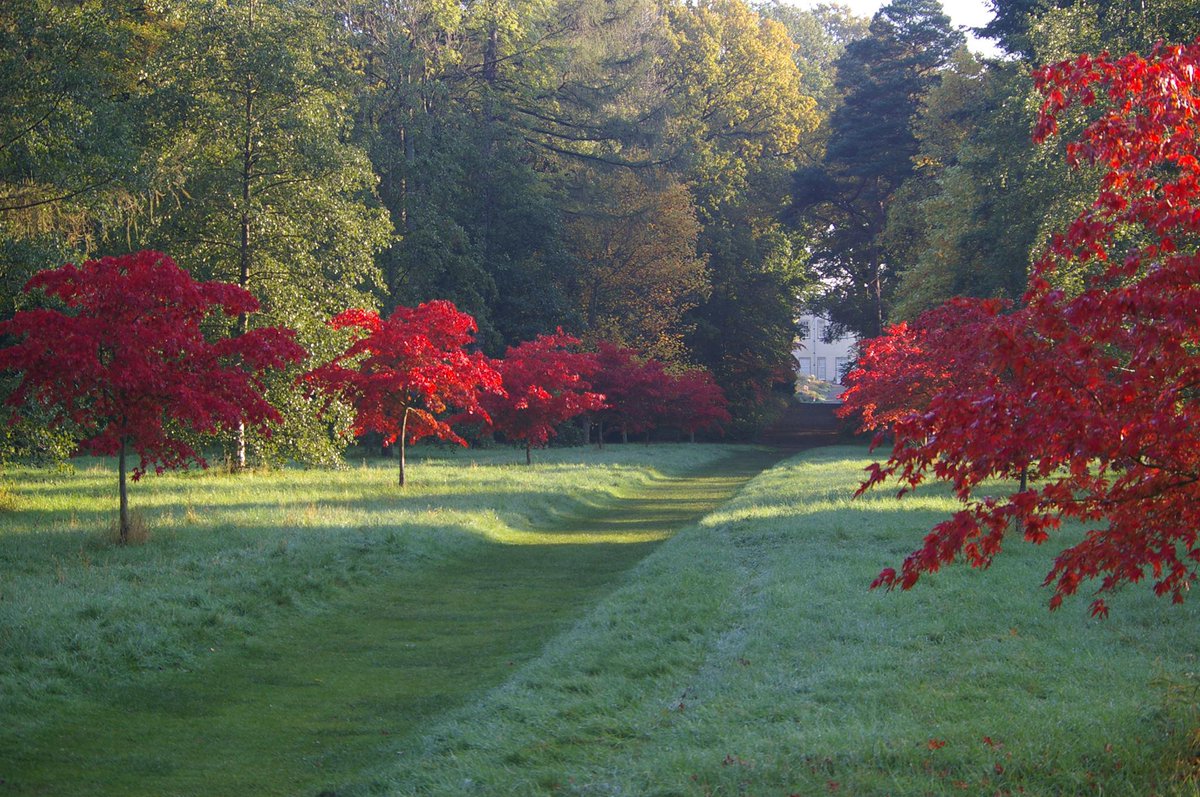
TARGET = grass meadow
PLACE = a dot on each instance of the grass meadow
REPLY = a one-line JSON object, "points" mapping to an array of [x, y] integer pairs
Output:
{"points": [[279, 630], [747, 657], [643, 620]]}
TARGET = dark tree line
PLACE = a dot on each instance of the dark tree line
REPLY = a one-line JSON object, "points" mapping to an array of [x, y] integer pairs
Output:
{"points": [[930, 185], [614, 168], [678, 177]]}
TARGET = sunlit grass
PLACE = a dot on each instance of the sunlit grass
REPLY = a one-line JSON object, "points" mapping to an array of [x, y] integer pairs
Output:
{"points": [[748, 657], [299, 622], [308, 531], [325, 631]]}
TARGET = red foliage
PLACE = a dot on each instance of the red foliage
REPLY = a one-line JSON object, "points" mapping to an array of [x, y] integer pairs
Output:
{"points": [[127, 362], [545, 384], [403, 374], [642, 395], [634, 388], [899, 372], [1094, 393], [694, 401]]}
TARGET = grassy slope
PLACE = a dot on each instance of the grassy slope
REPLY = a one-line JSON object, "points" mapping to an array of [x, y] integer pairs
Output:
{"points": [[283, 630], [746, 657]]}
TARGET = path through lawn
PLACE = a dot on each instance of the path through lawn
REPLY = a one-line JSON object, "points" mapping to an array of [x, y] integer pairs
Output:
{"points": [[302, 709]]}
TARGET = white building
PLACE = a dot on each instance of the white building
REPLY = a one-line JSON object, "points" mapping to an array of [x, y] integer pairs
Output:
{"points": [[817, 359]]}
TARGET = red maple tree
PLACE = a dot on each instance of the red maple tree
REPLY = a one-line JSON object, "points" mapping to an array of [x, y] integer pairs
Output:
{"points": [[1095, 392], [634, 387], [545, 384], [898, 373], [126, 363], [405, 373], [694, 401]]}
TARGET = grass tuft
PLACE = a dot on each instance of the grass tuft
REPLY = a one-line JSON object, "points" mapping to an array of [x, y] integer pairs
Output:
{"points": [[8, 499], [138, 533]]}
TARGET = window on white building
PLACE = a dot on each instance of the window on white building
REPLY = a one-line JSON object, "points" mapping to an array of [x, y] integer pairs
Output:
{"points": [[805, 365], [840, 366], [820, 374]]}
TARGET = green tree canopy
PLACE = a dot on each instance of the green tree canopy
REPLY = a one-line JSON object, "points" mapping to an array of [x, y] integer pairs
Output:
{"points": [[843, 201], [255, 100]]}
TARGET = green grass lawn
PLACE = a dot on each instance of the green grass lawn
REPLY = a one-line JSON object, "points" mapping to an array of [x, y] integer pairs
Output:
{"points": [[502, 630], [747, 657], [280, 631]]}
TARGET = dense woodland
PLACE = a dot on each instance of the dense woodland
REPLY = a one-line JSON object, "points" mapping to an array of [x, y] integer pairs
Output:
{"points": [[675, 177]]}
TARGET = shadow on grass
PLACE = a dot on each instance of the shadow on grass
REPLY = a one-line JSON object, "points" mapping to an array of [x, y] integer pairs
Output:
{"points": [[301, 702]]}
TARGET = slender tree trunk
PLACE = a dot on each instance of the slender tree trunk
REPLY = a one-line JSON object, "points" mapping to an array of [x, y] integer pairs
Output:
{"points": [[692, 435], [624, 435], [528, 454], [410, 157], [247, 176], [486, 181], [123, 493], [600, 434], [491, 54], [401, 441], [1023, 485], [877, 290]]}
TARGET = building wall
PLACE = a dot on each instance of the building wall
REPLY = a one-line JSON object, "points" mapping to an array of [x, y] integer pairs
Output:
{"points": [[815, 357]]}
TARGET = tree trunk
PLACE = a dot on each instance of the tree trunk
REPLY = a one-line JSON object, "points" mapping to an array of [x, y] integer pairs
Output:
{"points": [[247, 176], [401, 441], [528, 454], [692, 435], [624, 435], [409, 156], [877, 290], [123, 492], [1023, 485], [600, 435]]}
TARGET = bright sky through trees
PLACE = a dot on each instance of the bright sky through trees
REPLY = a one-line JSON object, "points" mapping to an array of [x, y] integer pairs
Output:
{"points": [[969, 13]]}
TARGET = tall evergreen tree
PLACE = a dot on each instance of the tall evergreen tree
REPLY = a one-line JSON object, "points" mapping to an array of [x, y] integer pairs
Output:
{"points": [[844, 200]]}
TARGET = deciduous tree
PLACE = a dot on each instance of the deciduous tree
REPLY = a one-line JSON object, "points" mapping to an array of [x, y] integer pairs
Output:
{"points": [[546, 383], [638, 269], [403, 374], [899, 373], [67, 82], [695, 401], [126, 364], [634, 389], [741, 121], [254, 100], [1110, 368]]}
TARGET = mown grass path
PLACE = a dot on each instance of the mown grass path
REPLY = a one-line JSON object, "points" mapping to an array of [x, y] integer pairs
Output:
{"points": [[305, 707]]}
